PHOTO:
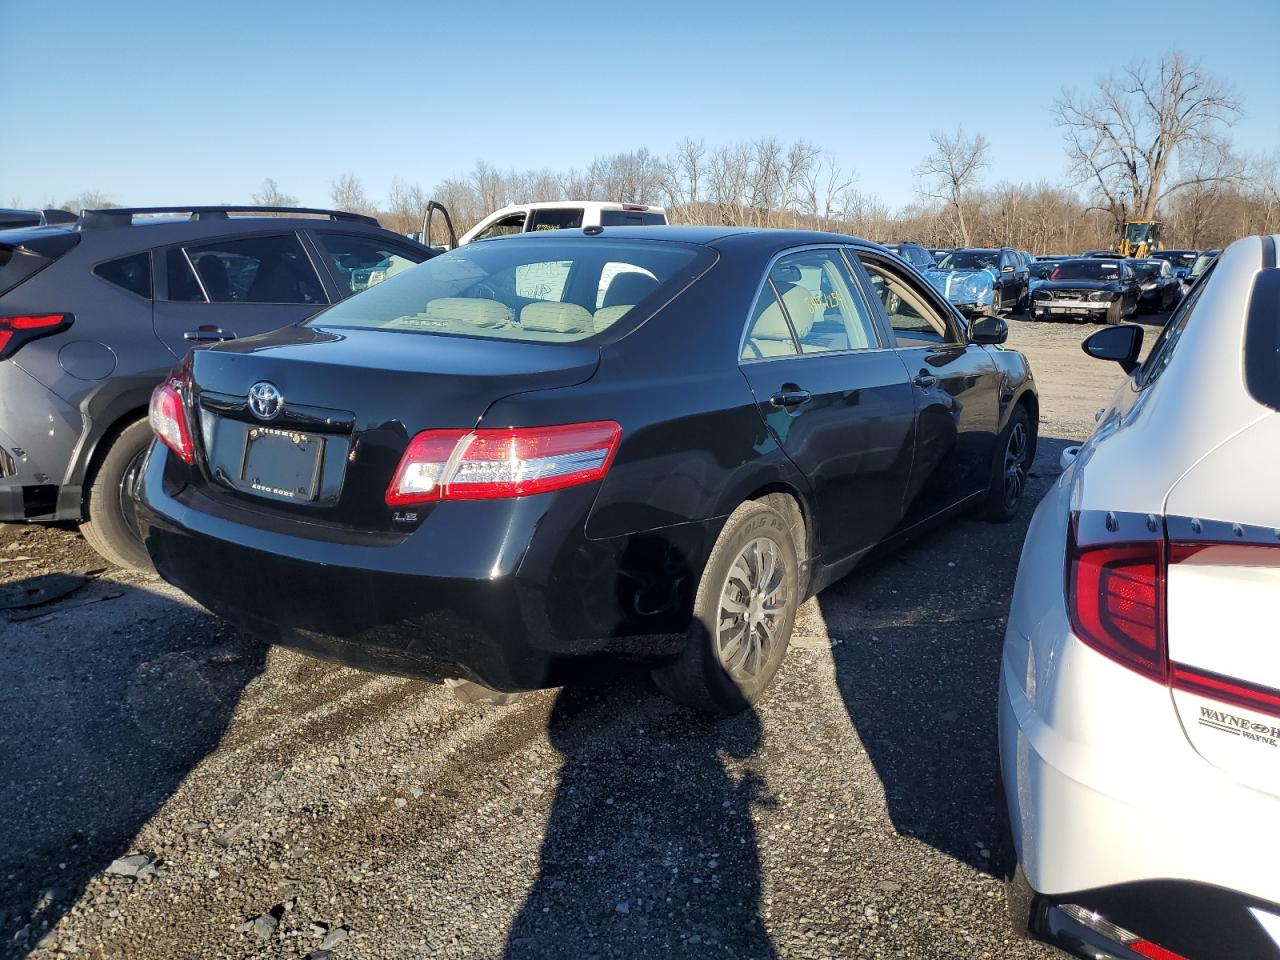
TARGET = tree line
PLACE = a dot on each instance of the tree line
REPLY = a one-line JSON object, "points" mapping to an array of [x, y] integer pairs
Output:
{"points": [[1148, 142]]}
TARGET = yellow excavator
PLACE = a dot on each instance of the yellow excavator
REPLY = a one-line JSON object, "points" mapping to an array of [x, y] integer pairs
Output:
{"points": [[1140, 238]]}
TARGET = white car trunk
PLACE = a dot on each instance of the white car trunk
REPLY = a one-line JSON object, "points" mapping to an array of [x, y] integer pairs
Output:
{"points": [[1223, 599]]}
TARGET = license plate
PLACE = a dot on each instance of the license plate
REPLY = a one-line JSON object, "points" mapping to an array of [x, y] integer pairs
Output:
{"points": [[282, 463]]}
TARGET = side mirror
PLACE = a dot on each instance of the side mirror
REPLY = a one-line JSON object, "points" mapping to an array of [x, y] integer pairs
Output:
{"points": [[1121, 343], [988, 329]]}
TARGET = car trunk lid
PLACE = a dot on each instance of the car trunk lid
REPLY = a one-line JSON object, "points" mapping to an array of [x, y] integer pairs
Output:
{"points": [[311, 423]]}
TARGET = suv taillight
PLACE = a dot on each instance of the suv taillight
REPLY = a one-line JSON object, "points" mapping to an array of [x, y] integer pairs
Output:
{"points": [[1115, 601], [20, 330], [511, 462], [168, 416]]}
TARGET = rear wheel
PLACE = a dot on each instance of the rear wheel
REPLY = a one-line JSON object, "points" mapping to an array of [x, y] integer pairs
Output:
{"points": [[112, 528], [742, 616], [1010, 468]]}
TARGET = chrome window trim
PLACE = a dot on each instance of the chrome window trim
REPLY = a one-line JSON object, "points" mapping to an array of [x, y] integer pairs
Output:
{"points": [[800, 354]]}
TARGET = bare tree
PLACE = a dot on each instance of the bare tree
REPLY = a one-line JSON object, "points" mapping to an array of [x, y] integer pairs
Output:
{"points": [[272, 196], [405, 207], [1127, 138], [89, 200], [347, 193], [952, 171]]}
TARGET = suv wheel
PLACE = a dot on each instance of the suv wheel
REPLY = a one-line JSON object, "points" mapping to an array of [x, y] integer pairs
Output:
{"points": [[112, 527], [742, 615]]}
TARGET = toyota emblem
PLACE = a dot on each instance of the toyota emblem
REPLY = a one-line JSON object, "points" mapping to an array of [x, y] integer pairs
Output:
{"points": [[265, 400]]}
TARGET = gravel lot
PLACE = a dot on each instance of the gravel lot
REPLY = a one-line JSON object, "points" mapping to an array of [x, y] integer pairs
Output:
{"points": [[171, 789]]}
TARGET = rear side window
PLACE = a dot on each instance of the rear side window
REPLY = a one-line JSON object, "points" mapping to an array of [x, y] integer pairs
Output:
{"points": [[271, 269], [546, 291], [133, 273], [810, 301], [1162, 350], [363, 262], [567, 218]]}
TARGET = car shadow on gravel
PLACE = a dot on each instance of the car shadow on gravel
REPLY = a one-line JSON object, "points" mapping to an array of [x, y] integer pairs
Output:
{"points": [[650, 849], [109, 701], [917, 638]]}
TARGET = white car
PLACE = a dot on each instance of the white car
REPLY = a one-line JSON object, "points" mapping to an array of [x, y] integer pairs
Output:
{"points": [[564, 215], [1140, 675]]}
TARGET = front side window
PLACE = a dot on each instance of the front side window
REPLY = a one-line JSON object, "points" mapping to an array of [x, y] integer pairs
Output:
{"points": [[558, 218], [271, 269], [133, 273], [914, 320], [815, 308], [546, 290], [363, 262], [504, 227]]}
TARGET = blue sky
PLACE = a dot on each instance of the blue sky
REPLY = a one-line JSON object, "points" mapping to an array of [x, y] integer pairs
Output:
{"points": [[198, 102]]}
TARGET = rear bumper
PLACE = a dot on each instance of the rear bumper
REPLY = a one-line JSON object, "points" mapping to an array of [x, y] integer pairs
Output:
{"points": [[510, 594], [39, 432]]}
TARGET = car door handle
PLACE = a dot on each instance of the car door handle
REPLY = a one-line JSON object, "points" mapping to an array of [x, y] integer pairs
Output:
{"points": [[924, 381], [790, 397], [208, 334]]}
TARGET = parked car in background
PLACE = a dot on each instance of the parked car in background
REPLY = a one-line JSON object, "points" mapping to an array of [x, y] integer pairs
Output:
{"points": [[11, 219], [1180, 260], [563, 215], [1140, 678], [1161, 290], [471, 472], [1203, 262], [94, 313], [1099, 289], [913, 253], [1038, 272], [978, 280]]}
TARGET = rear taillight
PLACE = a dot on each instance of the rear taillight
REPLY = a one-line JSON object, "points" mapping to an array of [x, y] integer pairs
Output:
{"points": [[1116, 934], [1115, 599], [512, 462], [168, 418], [20, 330]]}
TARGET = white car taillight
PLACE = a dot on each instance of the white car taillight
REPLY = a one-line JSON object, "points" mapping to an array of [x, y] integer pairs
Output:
{"points": [[510, 462], [168, 418]]}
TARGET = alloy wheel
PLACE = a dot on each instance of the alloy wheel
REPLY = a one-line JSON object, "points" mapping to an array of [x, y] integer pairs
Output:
{"points": [[1015, 464], [753, 603]]}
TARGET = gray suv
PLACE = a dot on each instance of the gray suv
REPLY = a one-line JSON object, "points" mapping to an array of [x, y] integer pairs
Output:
{"points": [[93, 313]]}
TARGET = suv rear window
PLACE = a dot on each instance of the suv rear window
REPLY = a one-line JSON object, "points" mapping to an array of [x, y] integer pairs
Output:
{"points": [[1262, 339], [24, 255], [632, 218], [545, 291]]}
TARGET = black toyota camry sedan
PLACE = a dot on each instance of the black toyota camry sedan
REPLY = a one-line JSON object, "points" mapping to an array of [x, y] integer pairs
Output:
{"points": [[528, 454]]}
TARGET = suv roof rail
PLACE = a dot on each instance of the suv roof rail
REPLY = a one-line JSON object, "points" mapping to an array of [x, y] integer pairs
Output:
{"points": [[123, 216]]}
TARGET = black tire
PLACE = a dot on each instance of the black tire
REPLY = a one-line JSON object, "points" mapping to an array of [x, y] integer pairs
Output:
{"points": [[997, 301], [111, 528], [1010, 467], [1115, 312], [713, 673]]}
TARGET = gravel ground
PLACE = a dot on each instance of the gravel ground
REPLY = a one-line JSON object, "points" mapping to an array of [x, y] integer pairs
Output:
{"points": [[172, 789]]}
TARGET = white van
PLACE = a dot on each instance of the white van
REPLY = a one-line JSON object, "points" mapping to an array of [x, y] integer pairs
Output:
{"points": [[564, 215]]}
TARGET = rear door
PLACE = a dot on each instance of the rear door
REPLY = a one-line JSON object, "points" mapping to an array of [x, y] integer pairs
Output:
{"points": [[214, 290], [836, 400], [956, 386]]}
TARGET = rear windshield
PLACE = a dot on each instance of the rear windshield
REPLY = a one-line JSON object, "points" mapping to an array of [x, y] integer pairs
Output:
{"points": [[1087, 270], [27, 253], [1177, 258], [546, 291]]}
